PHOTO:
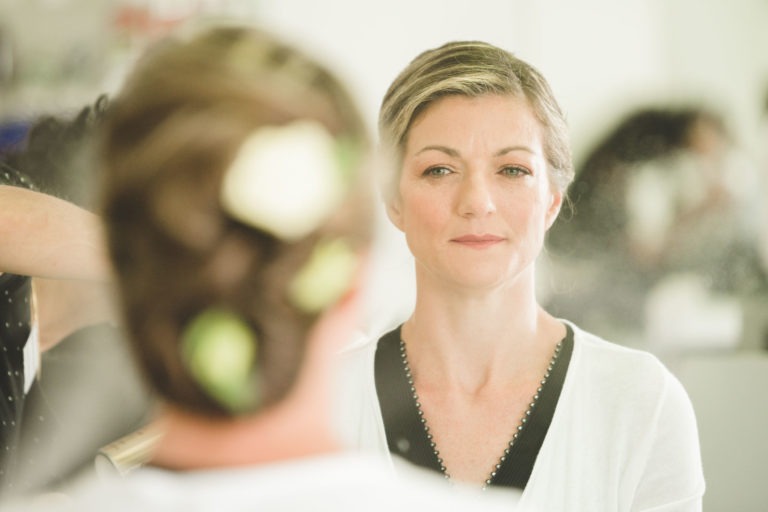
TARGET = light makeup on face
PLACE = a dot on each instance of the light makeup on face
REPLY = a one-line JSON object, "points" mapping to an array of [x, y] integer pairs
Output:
{"points": [[516, 161]]}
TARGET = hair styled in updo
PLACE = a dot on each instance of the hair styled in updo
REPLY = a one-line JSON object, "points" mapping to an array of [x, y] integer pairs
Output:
{"points": [[169, 138]]}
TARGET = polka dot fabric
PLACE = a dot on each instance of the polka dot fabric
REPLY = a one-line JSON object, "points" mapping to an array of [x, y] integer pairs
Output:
{"points": [[15, 327]]}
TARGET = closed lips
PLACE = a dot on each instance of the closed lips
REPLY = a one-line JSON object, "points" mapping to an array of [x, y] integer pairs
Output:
{"points": [[478, 239]]}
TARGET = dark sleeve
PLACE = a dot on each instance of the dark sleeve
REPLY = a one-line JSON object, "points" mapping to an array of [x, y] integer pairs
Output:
{"points": [[15, 327]]}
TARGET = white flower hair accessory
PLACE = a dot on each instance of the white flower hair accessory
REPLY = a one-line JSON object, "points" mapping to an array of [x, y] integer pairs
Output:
{"points": [[286, 180]]}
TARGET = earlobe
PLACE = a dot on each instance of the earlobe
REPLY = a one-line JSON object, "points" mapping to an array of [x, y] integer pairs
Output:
{"points": [[394, 212], [556, 202]]}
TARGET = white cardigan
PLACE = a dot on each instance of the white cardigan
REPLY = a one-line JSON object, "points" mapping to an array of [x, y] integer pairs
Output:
{"points": [[623, 436]]}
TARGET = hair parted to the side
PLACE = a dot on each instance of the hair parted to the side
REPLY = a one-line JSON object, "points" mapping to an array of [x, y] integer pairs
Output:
{"points": [[471, 68], [170, 136]]}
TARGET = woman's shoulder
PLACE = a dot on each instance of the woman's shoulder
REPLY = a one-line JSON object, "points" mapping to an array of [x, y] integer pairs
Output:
{"points": [[358, 416], [599, 348], [625, 378], [357, 357], [363, 343], [609, 364]]}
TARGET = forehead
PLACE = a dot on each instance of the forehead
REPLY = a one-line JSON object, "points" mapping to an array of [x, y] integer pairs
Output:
{"points": [[463, 121]]}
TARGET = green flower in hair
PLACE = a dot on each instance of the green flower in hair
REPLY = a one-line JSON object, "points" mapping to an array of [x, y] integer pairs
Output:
{"points": [[326, 277], [287, 180], [220, 351]]}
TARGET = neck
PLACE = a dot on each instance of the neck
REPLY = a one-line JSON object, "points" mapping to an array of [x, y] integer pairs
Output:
{"points": [[472, 337], [298, 426], [283, 432]]}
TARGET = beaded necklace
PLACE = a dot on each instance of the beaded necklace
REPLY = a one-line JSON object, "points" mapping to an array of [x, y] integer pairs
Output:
{"points": [[519, 429]]}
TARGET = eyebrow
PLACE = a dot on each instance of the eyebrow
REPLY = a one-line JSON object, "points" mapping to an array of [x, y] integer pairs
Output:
{"points": [[453, 153], [443, 149]]}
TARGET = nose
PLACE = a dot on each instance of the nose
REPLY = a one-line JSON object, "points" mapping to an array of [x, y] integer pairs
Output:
{"points": [[476, 196]]}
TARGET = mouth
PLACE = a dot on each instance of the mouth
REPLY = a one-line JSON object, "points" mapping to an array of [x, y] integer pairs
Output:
{"points": [[478, 241]]}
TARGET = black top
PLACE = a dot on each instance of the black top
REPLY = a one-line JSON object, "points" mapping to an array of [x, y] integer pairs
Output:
{"points": [[15, 326], [405, 431]]}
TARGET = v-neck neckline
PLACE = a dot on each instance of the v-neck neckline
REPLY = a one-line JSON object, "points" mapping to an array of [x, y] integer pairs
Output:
{"points": [[407, 437]]}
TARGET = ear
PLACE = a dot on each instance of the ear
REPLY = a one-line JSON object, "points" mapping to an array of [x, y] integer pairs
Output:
{"points": [[556, 202], [394, 210]]}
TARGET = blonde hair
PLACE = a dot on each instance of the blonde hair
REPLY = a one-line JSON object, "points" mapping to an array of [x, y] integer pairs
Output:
{"points": [[471, 68]]}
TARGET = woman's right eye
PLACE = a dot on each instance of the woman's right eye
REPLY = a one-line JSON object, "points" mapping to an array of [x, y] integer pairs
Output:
{"points": [[437, 171]]}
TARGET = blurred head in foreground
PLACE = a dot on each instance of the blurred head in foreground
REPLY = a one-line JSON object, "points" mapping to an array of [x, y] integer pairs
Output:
{"points": [[236, 199]]}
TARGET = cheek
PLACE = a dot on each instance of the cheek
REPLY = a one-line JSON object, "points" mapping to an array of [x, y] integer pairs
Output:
{"points": [[425, 210], [530, 211]]}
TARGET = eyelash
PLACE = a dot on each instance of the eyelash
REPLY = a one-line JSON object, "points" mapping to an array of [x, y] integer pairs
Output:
{"points": [[517, 170], [431, 172], [509, 170]]}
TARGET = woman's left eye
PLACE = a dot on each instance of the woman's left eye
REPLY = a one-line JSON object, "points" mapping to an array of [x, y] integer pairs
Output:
{"points": [[514, 170], [437, 171]]}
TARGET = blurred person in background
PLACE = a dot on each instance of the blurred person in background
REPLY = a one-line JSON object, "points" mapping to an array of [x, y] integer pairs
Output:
{"points": [[88, 391], [658, 244], [42, 239], [481, 384], [239, 217], [19, 344]]}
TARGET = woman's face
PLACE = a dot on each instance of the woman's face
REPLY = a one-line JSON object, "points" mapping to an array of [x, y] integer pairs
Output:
{"points": [[474, 197]]}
